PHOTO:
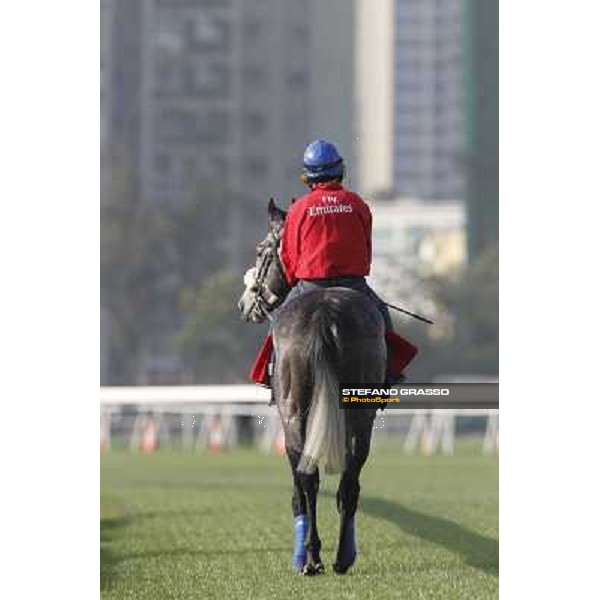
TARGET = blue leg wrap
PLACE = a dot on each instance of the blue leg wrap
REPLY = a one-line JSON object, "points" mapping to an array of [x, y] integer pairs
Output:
{"points": [[300, 529]]}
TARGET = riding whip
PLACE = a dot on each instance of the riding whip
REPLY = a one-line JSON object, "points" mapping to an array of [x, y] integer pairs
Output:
{"points": [[407, 312]]}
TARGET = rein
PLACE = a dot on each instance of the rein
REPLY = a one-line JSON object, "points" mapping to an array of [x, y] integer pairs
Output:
{"points": [[264, 299]]}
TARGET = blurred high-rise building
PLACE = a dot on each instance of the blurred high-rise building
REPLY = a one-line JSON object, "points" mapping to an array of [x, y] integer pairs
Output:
{"points": [[427, 98], [188, 93], [410, 91], [332, 59], [227, 90], [226, 93]]}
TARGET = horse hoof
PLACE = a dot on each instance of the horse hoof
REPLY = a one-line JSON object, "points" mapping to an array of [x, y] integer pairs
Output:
{"points": [[342, 568], [311, 569]]}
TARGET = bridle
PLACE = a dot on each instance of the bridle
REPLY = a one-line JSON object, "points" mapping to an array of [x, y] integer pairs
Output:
{"points": [[265, 300]]}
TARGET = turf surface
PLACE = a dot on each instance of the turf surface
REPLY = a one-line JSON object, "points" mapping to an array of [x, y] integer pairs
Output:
{"points": [[177, 525]]}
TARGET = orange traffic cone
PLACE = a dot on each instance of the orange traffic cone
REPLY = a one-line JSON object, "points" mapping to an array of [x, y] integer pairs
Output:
{"points": [[149, 441], [104, 433], [427, 443], [216, 435]]}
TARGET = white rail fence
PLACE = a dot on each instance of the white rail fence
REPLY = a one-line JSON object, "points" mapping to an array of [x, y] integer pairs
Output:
{"points": [[210, 420]]}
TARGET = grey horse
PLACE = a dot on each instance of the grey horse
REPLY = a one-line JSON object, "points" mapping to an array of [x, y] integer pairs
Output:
{"points": [[321, 338]]}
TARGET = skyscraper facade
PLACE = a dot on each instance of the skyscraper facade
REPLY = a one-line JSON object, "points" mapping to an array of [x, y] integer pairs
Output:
{"points": [[410, 93], [204, 89], [206, 94], [428, 99]]}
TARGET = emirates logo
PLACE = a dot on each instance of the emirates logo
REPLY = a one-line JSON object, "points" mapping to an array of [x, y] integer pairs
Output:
{"points": [[315, 211]]}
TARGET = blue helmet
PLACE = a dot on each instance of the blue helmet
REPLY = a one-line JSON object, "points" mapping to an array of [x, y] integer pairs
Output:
{"points": [[322, 162]]}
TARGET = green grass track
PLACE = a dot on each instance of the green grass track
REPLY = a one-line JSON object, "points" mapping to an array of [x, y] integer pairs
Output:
{"points": [[177, 525]]}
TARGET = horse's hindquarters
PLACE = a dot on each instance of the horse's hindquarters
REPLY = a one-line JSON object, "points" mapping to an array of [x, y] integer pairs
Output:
{"points": [[323, 338]]}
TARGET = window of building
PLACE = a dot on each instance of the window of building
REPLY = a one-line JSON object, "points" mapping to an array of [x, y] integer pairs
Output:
{"points": [[299, 33], [255, 76], [169, 41], [255, 123], [216, 167], [255, 166], [205, 31], [213, 127], [187, 127], [205, 79], [253, 29], [297, 80], [162, 164], [167, 76]]}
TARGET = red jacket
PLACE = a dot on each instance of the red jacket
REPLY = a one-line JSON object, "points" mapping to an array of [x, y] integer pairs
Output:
{"points": [[327, 233]]}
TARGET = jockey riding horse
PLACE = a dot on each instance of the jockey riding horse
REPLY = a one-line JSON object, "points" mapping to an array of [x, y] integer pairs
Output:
{"points": [[328, 327], [326, 242]]}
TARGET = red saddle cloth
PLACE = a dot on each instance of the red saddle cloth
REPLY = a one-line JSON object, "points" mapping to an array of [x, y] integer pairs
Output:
{"points": [[260, 370], [400, 352]]}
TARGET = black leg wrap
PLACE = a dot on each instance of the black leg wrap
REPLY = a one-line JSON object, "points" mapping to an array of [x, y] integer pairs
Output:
{"points": [[347, 495]]}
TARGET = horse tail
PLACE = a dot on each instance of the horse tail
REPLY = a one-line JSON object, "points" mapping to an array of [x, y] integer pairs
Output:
{"points": [[326, 427]]}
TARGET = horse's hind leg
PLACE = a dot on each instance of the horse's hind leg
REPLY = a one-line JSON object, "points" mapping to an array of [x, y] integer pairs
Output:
{"points": [[310, 487], [299, 511], [347, 499]]}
